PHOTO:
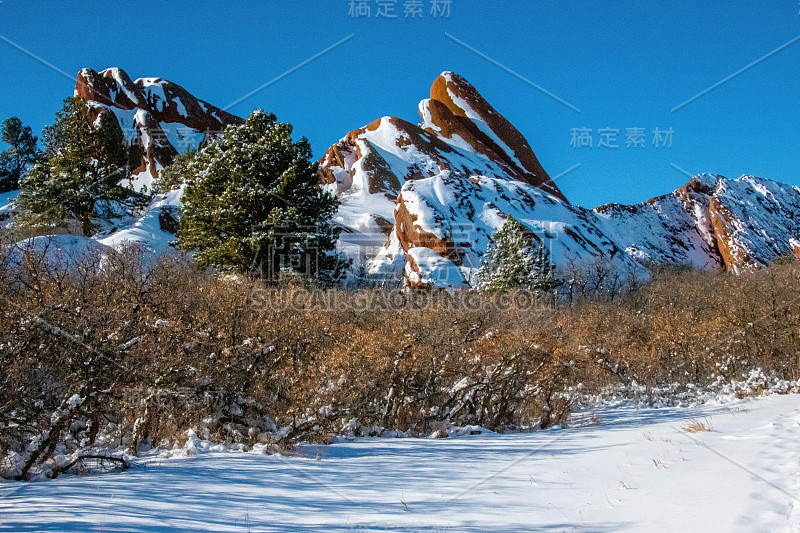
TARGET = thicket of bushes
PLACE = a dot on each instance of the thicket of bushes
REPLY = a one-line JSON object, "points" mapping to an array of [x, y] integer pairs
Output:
{"points": [[110, 354]]}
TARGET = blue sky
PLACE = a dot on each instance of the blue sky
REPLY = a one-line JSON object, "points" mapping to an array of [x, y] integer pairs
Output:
{"points": [[624, 64]]}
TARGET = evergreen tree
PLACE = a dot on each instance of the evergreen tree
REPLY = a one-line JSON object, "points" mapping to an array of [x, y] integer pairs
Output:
{"points": [[22, 152], [516, 260], [252, 203], [79, 175], [175, 173]]}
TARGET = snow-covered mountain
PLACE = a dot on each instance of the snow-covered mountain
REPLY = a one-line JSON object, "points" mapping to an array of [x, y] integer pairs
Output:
{"points": [[160, 119], [712, 221], [420, 203], [436, 192]]}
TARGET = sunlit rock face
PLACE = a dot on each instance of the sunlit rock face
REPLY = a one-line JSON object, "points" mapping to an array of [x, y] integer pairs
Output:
{"points": [[160, 119]]}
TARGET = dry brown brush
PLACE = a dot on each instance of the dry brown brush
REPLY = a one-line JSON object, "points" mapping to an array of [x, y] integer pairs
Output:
{"points": [[117, 354]]}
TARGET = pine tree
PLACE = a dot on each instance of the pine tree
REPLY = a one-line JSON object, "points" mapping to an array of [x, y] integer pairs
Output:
{"points": [[79, 175], [175, 173], [252, 203], [22, 152], [516, 260]]}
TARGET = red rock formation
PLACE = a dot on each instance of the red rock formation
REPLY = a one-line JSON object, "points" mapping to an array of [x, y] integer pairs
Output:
{"points": [[113, 87], [795, 245], [468, 109], [414, 281], [145, 109], [456, 116], [461, 137], [411, 235], [439, 190]]}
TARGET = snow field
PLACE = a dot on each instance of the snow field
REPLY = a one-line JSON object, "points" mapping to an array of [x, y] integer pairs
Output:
{"points": [[615, 469]]}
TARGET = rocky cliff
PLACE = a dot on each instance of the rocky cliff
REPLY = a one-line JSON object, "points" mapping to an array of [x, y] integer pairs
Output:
{"points": [[159, 118]]}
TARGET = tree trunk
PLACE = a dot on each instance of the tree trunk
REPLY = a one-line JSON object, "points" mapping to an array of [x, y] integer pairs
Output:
{"points": [[84, 215]]}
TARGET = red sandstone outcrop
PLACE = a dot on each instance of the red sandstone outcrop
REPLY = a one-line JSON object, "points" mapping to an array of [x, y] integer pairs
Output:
{"points": [[159, 118]]}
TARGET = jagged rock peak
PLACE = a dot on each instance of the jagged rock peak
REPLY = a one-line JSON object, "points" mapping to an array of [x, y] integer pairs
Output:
{"points": [[167, 101], [457, 108], [461, 136], [159, 118]]}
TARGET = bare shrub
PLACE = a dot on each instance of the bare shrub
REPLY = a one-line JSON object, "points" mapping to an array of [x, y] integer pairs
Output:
{"points": [[120, 352]]}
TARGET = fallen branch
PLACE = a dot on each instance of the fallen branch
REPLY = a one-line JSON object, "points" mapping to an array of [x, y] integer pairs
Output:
{"points": [[120, 461]]}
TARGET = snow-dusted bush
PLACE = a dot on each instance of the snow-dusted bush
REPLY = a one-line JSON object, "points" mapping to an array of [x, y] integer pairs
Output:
{"points": [[517, 259], [106, 361]]}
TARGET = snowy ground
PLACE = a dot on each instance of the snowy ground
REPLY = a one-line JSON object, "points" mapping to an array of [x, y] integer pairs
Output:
{"points": [[616, 469]]}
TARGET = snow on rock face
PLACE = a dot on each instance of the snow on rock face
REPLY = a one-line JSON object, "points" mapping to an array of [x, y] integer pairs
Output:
{"points": [[153, 231], [460, 133], [714, 222], [755, 220], [420, 203], [492, 134], [674, 229], [425, 268], [159, 118], [445, 186], [455, 218], [461, 136]]}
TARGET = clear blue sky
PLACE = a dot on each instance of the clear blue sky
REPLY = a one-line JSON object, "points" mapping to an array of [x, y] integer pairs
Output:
{"points": [[624, 64]]}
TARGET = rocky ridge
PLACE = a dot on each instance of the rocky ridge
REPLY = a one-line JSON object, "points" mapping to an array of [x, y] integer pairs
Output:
{"points": [[160, 119]]}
